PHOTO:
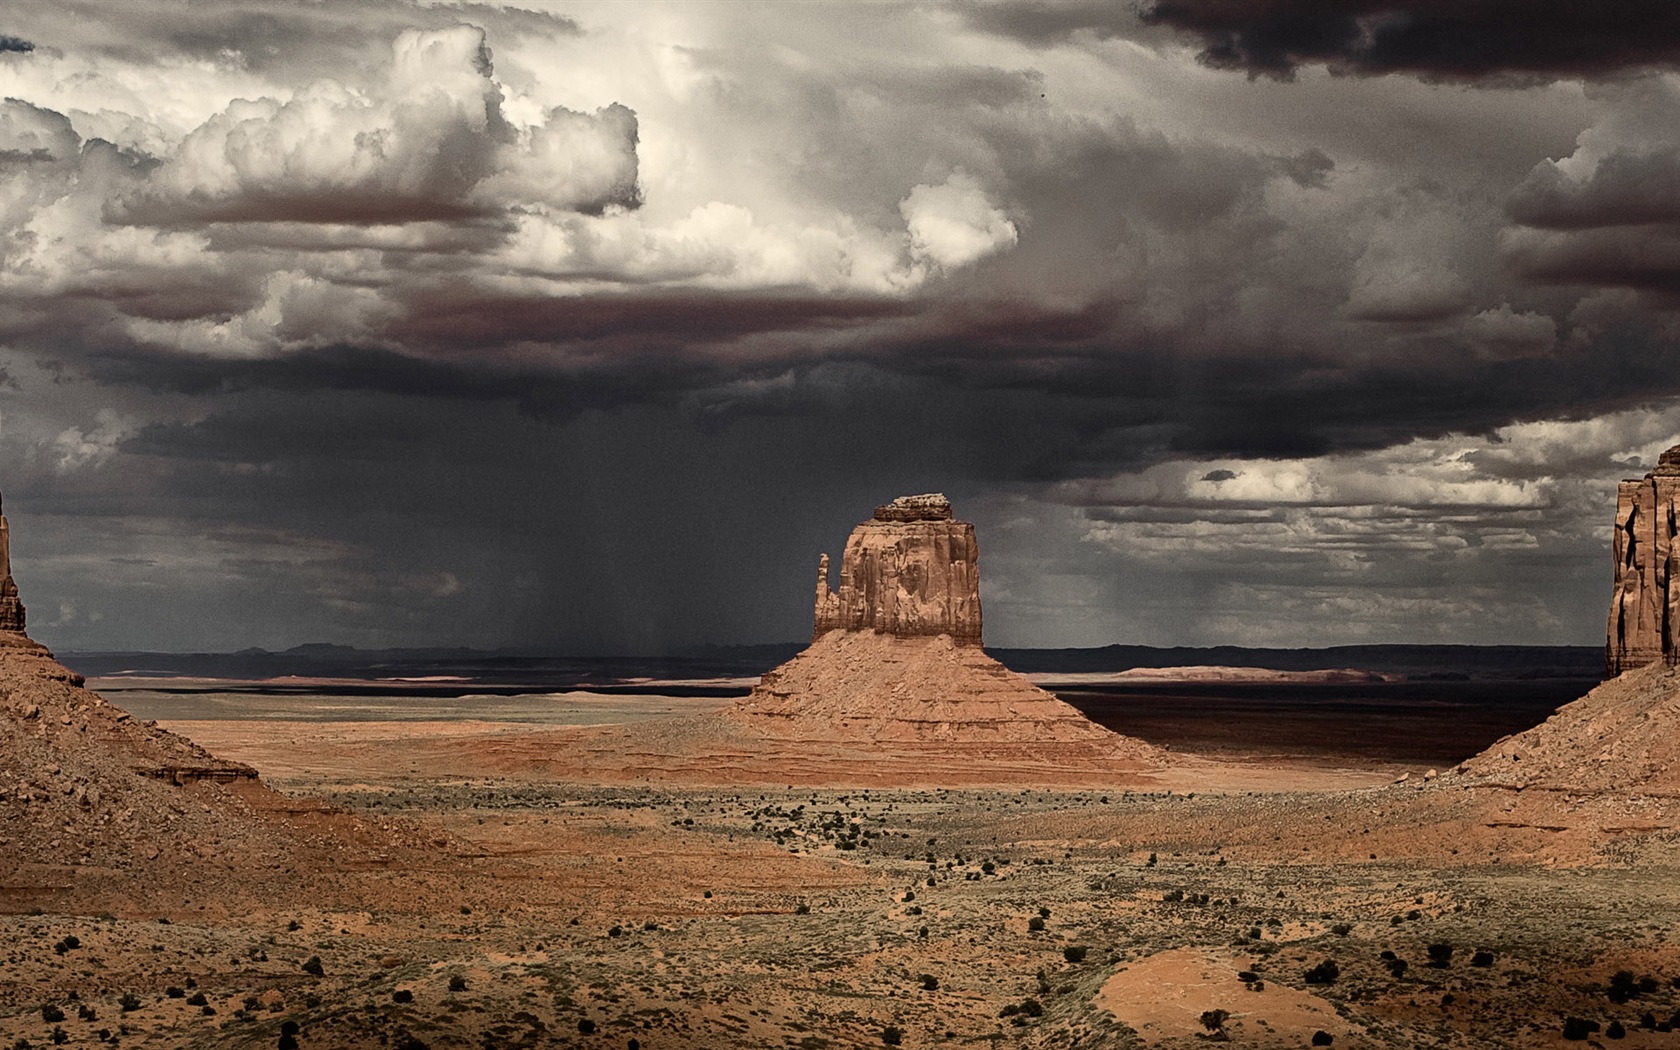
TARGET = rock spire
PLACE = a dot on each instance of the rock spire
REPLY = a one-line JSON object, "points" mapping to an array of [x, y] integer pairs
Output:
{"points": [[1645, 600], [11, 606], [910, 571]]}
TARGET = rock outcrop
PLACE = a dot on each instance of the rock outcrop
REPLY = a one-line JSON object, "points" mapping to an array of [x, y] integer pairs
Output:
{"points": [[910, 572], [1645, 601], [11, 606], [102, 811], [1622, 737]]}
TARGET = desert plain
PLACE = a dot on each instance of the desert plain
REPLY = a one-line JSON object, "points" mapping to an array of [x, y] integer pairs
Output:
{"points": [[476, 878]]}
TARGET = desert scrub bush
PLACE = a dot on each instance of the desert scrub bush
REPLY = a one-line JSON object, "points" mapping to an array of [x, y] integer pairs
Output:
{"points": [[1074, 953], [457, 983], [402, 995], [1624, 986], [1325, 972], [929, 982], [1214, 1022], [174, 992], [1482, 958], [1342, 929], [892, 1035], [51, 1013], [69, 944], [1035, 924], [313, 966], [197, 999], [129, 1002], [1576, 1029], [1440, 955]]}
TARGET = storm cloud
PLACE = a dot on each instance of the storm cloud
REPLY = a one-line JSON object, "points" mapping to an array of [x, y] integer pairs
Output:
{"points": [[588, 329], [1441, 39]]}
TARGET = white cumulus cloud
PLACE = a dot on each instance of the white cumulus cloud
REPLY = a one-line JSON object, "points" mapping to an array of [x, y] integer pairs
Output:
{"points": [[955, 223]]}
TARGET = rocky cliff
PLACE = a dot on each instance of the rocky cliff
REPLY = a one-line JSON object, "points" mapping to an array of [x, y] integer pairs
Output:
{"points": [[1644, 603], [910, 571], [11, 606]]}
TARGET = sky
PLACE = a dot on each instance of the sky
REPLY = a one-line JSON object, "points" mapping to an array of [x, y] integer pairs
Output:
{"points": [[587, 326]]}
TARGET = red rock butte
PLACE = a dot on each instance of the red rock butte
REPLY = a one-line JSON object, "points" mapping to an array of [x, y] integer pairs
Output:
{"points": [[1645, 599], [893, 691], [909, 572], [895, 664]]}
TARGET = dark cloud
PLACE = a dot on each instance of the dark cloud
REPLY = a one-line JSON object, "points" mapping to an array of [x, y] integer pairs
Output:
{"points": [[15, 44], [455, 316], [1490, 40], [1641, 258], [1628, 187], [1309, 169]]}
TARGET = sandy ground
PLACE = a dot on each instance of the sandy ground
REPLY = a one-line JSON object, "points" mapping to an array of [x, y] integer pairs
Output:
{"points": [[565, 908], [286, 749]]}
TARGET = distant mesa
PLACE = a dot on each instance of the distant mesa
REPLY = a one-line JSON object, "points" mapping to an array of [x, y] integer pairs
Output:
{"points": [[1645, 599], [911, 571]]}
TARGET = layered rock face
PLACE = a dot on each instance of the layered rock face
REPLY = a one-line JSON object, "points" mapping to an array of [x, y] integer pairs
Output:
{"points": [[1645, 601], [910, 572], [921, 692], [11, 606]]}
